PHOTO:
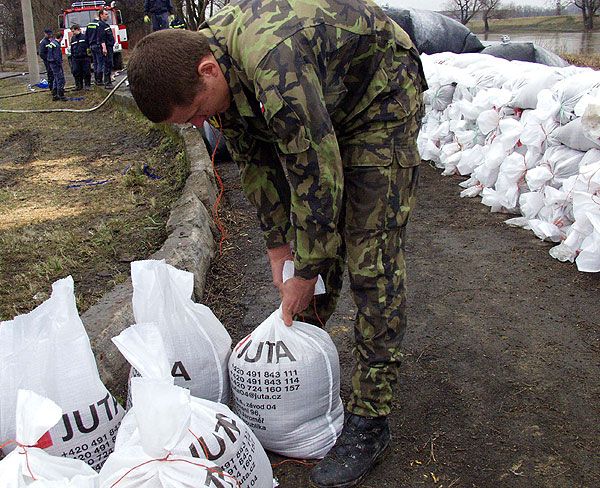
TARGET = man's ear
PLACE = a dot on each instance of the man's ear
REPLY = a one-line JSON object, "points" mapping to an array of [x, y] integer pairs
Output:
{"points": [[208, 67]]}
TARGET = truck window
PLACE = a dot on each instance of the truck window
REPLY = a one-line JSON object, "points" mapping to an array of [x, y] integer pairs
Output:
{"points": [[82, 18]]}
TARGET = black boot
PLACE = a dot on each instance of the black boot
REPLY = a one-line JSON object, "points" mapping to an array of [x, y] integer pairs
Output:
{"points": [[55, 96], [61, 95], [108, 82], [357, 450], [78, 84]]}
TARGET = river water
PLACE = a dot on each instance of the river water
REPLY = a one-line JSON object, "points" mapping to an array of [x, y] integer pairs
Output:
{"points": [[558, 42]]}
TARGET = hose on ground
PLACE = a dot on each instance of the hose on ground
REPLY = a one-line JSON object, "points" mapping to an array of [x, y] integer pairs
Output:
{"points": [[72, 110]]}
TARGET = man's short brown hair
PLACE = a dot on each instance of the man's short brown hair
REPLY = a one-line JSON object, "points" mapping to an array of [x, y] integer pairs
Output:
{"points": [[162, 71]]}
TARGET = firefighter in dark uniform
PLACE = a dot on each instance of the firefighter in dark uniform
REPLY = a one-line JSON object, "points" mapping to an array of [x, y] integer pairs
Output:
{"points": [[54, 57], [160, 12], [177, 23], [80, 61], [106, 41], [43, 53], [91, 36]]}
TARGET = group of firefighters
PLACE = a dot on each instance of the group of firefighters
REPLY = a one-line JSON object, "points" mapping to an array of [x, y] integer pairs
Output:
{"points": [[95, 46]]}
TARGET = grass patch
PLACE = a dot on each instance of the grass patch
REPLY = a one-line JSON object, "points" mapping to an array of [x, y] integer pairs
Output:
{"points": [[562, 23], [75, 198], [584, 60]]}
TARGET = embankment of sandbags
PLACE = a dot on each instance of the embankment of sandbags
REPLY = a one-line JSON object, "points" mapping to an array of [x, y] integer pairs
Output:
{"points": [[527, 135]]}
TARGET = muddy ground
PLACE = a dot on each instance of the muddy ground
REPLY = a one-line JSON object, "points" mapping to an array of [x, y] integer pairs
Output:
{"points": [[500, 385]]}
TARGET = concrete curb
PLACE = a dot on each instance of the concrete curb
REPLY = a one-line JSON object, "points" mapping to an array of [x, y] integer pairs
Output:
{"points": [[189, 246]]}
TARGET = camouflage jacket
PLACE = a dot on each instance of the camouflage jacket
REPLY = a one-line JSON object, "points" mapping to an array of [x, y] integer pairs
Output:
{"points": [[305, 78]]}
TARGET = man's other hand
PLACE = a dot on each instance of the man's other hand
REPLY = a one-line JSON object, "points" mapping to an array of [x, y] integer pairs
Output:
{"points": [[277, 257], [296, 295]]}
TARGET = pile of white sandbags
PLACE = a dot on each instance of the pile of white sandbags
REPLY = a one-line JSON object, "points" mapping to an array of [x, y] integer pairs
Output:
{"points": [[528, 137], [187, 426]]}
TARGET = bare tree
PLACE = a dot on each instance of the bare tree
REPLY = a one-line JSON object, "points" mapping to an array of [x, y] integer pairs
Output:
{"points": [[588, 10], [489, 9], [465, 10]]}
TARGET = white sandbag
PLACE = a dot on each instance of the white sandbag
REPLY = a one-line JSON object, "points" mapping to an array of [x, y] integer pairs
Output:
{"points": [[215, 432], [286, 386], [590, 122], [563, 162], [440, 97], [197, 344], [162, 424], [525, 96], [569, 91], [573, 136], [29, 464], [537, 126], [531, 203], [48, 351], [546, 231], [588, 259], [470, 159], [488, 121]]}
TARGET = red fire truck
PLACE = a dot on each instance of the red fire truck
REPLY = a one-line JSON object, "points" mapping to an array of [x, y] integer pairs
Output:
{"points": [[83, 13]]}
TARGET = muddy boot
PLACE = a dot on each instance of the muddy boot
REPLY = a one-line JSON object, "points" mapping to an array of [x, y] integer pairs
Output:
{"points": [[108, 83], [78, 84], [55, 96], [61, 95], [87, 82], [357, 450]]}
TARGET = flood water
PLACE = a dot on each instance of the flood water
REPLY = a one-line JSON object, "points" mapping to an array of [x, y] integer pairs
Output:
{"points": [[558, 42]]}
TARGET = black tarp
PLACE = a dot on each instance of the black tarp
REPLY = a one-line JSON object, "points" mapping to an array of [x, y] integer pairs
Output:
{"points": [[433, 32], [525, 51]]}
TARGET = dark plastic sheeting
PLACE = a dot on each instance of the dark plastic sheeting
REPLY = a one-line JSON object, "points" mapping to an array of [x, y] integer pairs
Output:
{"points": [[525, 51], [433, 32]]}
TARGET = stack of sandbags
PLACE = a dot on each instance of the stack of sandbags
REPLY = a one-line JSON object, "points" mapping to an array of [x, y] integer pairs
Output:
{"points": [[48, 351], [212, 431], [517, 130]]}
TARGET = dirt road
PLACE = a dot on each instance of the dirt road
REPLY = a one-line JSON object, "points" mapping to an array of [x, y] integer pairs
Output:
{"points": [[501, 381]]}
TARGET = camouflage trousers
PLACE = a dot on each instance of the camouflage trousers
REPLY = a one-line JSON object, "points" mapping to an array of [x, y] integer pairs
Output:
{"points": [[378, 197]]}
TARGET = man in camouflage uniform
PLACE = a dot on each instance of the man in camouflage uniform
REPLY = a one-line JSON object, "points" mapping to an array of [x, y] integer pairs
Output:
{"points": [[330, 90]]}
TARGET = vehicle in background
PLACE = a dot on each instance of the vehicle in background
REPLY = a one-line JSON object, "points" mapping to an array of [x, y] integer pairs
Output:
{"points": [[83, 13]]}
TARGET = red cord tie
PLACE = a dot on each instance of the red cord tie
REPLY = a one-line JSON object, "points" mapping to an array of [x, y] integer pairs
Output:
{"points": [[24, 447], [168, 459]]}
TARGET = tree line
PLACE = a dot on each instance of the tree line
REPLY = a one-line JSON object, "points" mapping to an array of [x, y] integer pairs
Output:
{"points": [[466, 10]]}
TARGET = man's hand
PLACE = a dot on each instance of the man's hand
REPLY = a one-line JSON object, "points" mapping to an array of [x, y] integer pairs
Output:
{"points": [[277, 257], [171, 18], [296, 295], [104, 50], [146, 19]]}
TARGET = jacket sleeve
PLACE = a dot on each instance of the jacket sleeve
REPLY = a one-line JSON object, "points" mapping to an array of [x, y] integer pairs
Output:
{"points": [[264, 184], [289, 87], [146, 6]]}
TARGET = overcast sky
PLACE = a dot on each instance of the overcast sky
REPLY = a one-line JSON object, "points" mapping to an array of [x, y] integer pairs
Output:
{"points": [[440, 4]]}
